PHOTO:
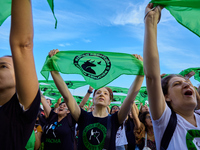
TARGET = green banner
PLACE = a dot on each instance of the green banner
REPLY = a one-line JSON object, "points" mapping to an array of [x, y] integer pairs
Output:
{"points": [[70, 84], [118, 89], [97, 68], [196, 75], [119, 98], [142, 96], [186, 12], [5, 10]]}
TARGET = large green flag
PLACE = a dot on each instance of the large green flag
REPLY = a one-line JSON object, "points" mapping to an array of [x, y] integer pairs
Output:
{"points": [[5, 10], [186, 12], [196, 75], [70, 84], [97, 68], [119, 89]]}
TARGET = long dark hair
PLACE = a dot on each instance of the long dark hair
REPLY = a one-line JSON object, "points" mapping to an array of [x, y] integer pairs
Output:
{"points": [[142, 118]]}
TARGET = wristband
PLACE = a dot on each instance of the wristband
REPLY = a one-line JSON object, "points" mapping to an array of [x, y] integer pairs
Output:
{"points": [[89, 91]]}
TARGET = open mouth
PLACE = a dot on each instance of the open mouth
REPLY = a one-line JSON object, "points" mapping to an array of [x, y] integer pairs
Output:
{"points": [[188, 93]]}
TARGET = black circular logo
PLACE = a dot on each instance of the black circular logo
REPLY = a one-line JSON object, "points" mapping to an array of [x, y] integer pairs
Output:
{"points": [[69, 84], [93, 65]]}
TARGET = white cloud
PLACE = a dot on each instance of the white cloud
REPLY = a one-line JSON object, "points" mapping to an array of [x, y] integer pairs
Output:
{"points": [[86, 40]]}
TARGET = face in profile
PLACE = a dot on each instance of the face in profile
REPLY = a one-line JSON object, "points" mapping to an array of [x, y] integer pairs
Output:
{"points": [[7, 76], [148, 121]]}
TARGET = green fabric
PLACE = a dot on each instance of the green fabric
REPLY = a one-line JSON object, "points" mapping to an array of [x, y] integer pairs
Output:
{"points": [[196, 75], [53, 94], [119, 98], [118, 89], [70, 84], [142, 96], [5, 10], [97, 68], [31, 142], [186, 12], [51, 4]]}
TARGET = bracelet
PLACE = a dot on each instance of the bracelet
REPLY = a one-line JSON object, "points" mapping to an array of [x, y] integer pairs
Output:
{"points": [[89, 91], [152, 10]]}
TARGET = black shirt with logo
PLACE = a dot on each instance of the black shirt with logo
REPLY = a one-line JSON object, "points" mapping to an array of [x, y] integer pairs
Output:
{"points": [[92, 131], [58, 135]]}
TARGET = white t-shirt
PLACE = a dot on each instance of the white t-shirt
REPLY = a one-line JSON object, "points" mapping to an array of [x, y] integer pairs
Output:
{"points": [[121, 136], [186, 136]]}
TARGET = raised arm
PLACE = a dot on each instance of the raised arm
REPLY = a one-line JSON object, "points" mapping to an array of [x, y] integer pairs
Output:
{"points": [[135, 113], [21, 43], [62, 87], [86, 97], [57, 103], [151, 63], [132, 93], [47, 108]]}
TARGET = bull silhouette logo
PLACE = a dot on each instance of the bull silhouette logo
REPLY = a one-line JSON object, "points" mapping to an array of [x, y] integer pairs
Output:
{"points": [[93, 65], [69, 84]]}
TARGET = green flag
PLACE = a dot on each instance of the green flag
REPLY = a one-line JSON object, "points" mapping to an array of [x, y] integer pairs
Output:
{"points": [[53, 94], [186, 12], [196, 75], [142, 96], [97, 68], [5, 10], [119, 98], [51, 4], [70, 84], [118, 89]]}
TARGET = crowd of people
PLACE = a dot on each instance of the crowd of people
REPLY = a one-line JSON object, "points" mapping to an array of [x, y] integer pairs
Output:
{"points": [[172, 120]]}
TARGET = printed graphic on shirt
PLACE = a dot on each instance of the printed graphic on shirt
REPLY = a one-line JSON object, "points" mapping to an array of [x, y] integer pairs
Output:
{"points": [[192, 139], [94, 136]]}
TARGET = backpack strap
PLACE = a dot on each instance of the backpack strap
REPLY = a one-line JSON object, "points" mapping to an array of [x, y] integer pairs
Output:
{"points": [[169, 131], [108, 134]]}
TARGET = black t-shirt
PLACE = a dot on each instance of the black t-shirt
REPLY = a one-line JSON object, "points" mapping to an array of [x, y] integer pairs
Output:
{"points": [[58, 135], [16, 124], [92, 131], [129, 134]]}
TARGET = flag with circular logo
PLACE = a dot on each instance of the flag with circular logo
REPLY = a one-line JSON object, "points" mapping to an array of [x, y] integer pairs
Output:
{"points": [[97, 68]]}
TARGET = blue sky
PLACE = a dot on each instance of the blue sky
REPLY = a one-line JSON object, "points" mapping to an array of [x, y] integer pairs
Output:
{"points": [[112, 25]]}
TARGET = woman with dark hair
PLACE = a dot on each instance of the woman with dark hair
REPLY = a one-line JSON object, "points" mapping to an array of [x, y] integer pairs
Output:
{"points": [[177, 91], [94, 126], [143, 129]]}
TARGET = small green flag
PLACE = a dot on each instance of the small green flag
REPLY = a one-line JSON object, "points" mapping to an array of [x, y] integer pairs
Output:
{"points": [[118, 89], [142, 96], [186, 12], [5, 10], [53, 94], [119, 98], [97, 68], [44, 85], [196, 75]]}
